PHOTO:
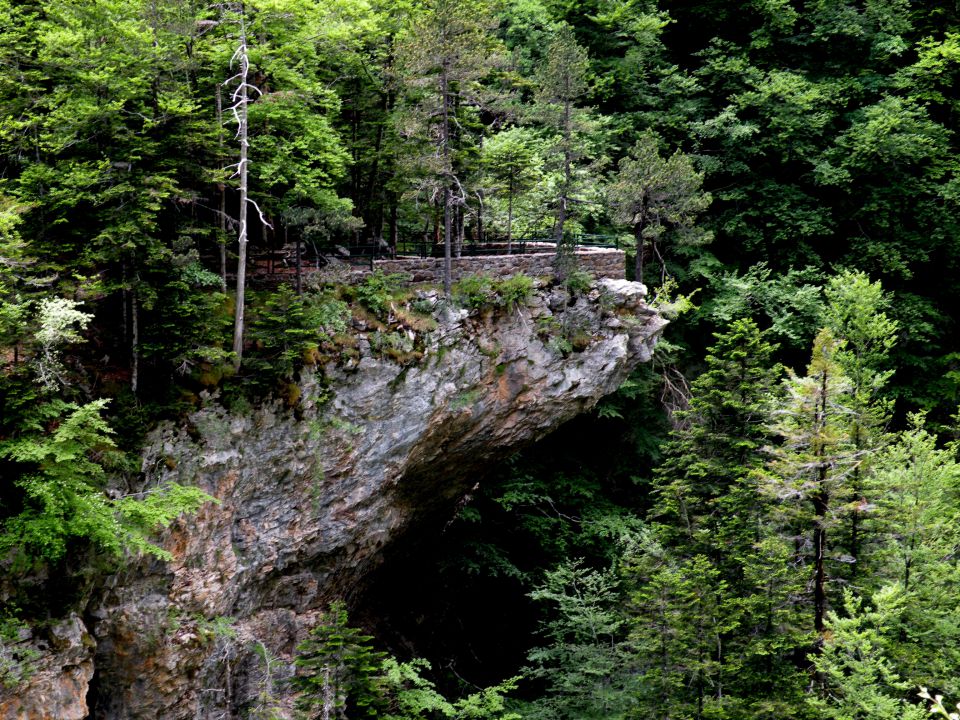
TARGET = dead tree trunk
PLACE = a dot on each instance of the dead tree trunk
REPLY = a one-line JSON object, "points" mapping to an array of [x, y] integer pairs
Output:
{"points": [[241, 101]]}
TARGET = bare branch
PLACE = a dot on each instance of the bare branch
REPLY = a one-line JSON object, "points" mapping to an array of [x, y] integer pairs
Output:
{"points": [[259, 212]]}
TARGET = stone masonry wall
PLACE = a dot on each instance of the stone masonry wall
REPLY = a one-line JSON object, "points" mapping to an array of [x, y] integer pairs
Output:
{"points": [[600, 262]]}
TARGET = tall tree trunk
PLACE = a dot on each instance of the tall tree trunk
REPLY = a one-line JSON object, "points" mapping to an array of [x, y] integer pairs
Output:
{"points": [[821, 503], [561, 264], [510, 216], [134, 338], [641, 248], [447, 194], [124, 299], [480, 217], [856, 485], [458, 217], [222, 240], [241, 99], [447, 262], [393, 224], [375, 219], [821, 506]]}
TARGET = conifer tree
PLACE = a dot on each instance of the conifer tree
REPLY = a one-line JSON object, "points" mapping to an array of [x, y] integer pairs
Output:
{"points": [[723, 575], [512, 160], [912, 525], [337, 666], [705, 494], [655, 196], [678, 623], [856, 313], [446, 51], [860, 680], [562, 83], [811, 471], [586, 659]]}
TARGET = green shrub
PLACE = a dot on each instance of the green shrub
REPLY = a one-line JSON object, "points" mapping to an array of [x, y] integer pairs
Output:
{"points": [[478, 291], [340, 673], [515, 290], [474, 291], [62, 457], [377, 290], [283, 327], [578, 282]]}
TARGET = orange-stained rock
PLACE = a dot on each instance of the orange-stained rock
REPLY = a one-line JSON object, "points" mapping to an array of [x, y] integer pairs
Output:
{"points": [[58, 685]]}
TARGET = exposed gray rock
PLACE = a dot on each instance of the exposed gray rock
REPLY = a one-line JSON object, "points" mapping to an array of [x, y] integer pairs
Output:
{"points": [[310, 496]]}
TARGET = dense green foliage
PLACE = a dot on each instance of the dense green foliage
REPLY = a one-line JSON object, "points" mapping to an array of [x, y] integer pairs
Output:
{"points": [[760, 524], [340, 675]]}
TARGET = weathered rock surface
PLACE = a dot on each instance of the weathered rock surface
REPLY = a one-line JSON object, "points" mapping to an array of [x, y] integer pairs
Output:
{"points": [[58, 678], [309, 496]]}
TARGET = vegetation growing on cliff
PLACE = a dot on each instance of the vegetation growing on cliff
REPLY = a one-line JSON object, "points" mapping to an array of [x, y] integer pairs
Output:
{"points": [[722, 538]]}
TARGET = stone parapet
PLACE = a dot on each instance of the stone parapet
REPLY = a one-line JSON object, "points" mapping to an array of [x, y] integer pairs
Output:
{"points": [[601, 262]]}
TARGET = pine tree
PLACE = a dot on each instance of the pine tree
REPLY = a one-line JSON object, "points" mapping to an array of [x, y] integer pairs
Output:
{"points": [[717, 536], [562, 84], [859, 679], [512, 159], [446, 51], [586, 661], [913, 527], [706, 499], [658, 198], [810, 474], [677, 630], [336, 669], [856, 313]]}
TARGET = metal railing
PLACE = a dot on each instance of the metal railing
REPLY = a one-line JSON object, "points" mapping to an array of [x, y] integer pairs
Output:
{"points": [[519, 246]]}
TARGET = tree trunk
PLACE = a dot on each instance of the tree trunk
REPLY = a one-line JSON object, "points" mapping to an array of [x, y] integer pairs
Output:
{"points": [[134, 340], [447, 262], [856, 485], [241, 98], [458, 216], [510, 216], [480, 217], [641, 248], [567, 174], [375, 219], [821, 506], [561, 264], [393, 224], [447, 195], [821, 503], [222, 240]]}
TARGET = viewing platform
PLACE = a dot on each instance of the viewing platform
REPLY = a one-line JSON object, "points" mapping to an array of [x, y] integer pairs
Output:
{"points": [[600, 257]]}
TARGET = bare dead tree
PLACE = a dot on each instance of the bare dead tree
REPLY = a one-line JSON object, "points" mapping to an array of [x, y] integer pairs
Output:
{"points": [[241, 99]]}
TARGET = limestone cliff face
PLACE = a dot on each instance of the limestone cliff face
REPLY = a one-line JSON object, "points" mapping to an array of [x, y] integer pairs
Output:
{"points": [[309, 496]]}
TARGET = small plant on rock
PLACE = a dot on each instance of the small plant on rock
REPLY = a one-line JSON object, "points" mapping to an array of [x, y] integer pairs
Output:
{"points": [[377, 290], [475, 291], [515, 290]]}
